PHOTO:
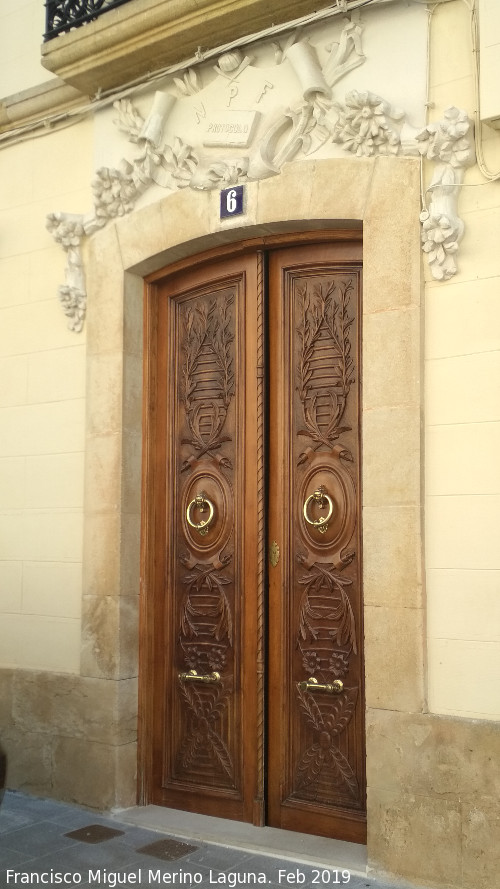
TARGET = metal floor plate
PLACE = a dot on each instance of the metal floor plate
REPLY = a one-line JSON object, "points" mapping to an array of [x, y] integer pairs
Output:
{"points": [[94, 833]]}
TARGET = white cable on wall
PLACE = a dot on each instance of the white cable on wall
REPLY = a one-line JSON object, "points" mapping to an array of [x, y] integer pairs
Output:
{"points": [[487, 173], [62, 120], [105, 98], [472, 7]]}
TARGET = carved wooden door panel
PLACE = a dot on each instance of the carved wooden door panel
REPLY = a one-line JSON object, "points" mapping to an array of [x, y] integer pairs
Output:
{"points": [[237, 443], [206, 649], [316, 774]]}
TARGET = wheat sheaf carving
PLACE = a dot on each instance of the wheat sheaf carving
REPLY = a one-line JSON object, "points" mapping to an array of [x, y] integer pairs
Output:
{"points": [[325, 599], [324, 354], [207, 375], [206, 608]]}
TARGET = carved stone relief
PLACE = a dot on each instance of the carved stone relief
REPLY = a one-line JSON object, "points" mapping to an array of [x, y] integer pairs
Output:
{"points": [[242, 134]]}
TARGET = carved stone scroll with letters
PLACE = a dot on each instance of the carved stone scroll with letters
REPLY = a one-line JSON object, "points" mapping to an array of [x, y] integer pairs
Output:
{"points": [[235, 127]]}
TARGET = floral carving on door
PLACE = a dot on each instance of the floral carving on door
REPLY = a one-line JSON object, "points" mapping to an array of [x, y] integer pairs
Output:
{"points": [[326, 637], [207, 376], [326, 369], [205, 652]]}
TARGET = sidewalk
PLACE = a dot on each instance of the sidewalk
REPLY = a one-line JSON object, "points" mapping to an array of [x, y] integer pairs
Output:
{"points": [[43, 842]]}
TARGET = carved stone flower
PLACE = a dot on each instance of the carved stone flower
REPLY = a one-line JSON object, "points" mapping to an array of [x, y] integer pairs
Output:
{"points": [[73, 302], [448, 140], [114, 193], [439, 242], [362, 125], [65, 230]]}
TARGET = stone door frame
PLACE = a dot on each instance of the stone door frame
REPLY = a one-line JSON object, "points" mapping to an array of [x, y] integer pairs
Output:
{"points": [[380, 195]]}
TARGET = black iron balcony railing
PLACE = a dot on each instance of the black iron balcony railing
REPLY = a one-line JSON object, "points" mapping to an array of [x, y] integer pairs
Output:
{"points": [[64, 15]]}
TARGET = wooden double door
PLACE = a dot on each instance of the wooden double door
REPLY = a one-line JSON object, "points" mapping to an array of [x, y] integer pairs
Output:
{"points": [[252, 643]]}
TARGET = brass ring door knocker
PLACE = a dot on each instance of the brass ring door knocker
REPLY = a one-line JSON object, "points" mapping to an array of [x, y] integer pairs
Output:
{"points": [[200, 502], [321, 498]]}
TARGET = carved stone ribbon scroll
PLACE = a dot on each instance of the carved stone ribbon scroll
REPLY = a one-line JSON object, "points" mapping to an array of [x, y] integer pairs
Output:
{"points": [[362, 123]]}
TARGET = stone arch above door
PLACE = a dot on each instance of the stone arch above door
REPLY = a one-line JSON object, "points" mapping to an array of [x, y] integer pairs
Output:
{"points": [[381, 197]]}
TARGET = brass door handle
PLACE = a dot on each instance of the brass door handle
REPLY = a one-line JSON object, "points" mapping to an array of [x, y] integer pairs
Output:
{"points": [[312, 684], [321, 497], [193, 676], [200, 502]]}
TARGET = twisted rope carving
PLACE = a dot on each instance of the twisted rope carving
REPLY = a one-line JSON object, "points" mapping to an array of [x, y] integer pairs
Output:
{"points": [[260, 523]]}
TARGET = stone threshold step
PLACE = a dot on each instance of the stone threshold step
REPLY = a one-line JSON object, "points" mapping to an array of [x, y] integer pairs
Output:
{"points": [[270, 841]]}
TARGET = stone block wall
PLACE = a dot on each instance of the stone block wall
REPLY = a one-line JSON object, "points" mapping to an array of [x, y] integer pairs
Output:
{"points": [[70, 737], [42, 408]]}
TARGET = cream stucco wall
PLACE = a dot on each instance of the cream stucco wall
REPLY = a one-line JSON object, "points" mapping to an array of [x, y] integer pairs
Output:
{"points": [[42, 408], [462, 410], [44, 365], [69, 404], [22, 25], [489, 41], [43, 389]]}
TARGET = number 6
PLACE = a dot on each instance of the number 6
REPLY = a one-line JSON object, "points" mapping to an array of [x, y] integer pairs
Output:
{"points": [[231, 201]]}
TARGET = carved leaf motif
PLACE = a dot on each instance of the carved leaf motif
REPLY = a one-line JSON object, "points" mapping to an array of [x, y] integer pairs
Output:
{"points": [[221, 752], [323, 578], [180, 161], [345, 771], [310, 709], [342, 711], [192, 697], [209, 578], [192, 750], [324, 337], [129, 119], [206, 713], [324, 754], [310, 766], [316, 760], [189, 85], [208, 375]]}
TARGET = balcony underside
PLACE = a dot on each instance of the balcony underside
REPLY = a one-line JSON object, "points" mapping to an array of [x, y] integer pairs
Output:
{"points": [[146, 35], [65, 15]]}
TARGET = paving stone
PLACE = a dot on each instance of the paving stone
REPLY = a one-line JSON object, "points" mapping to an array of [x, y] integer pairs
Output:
{"points": [[34, 839], [220, 857], [167, 849], [40, 838]]}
